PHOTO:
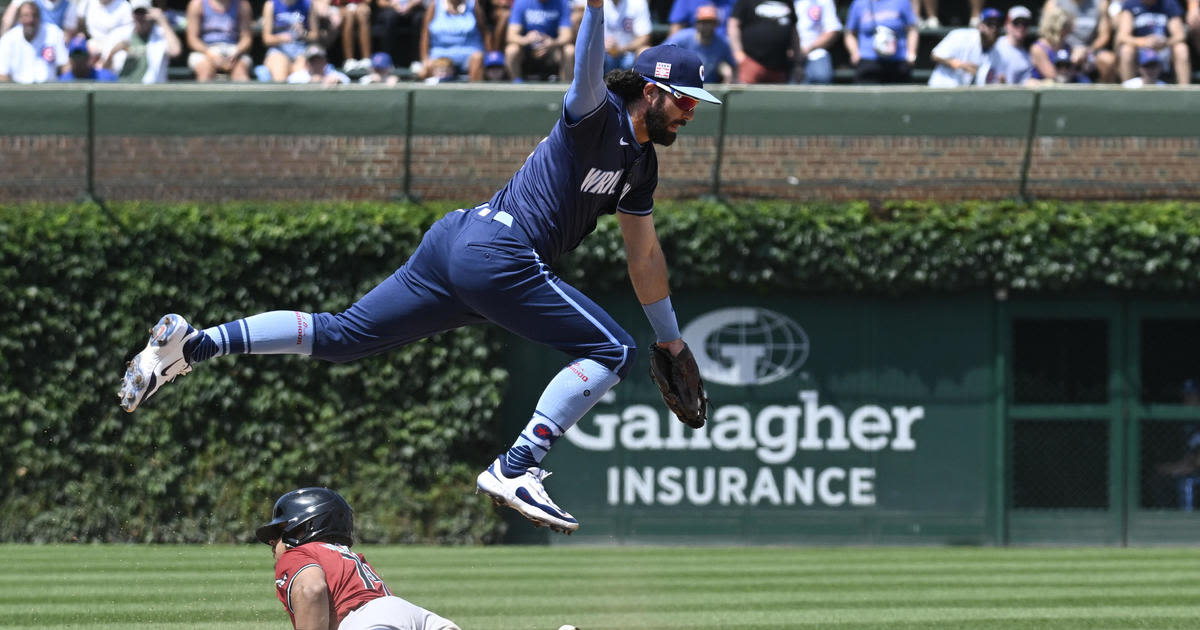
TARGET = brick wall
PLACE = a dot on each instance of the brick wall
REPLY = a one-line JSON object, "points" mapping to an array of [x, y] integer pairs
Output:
{"points": [[471, 168]]}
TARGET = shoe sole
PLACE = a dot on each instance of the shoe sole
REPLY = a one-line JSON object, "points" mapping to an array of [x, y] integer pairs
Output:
{"points": [[533, 517], [135, 383]]}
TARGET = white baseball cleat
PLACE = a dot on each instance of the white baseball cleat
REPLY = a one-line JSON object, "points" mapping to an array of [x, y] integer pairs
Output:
{"points": [[158, 363], [526, 495]]}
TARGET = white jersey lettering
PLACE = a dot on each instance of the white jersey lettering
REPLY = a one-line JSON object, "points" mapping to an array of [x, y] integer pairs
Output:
{"points": [[600, 182]]}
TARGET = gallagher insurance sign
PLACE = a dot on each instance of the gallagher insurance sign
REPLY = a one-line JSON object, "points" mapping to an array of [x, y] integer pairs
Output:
{"points": [[831, 419]]}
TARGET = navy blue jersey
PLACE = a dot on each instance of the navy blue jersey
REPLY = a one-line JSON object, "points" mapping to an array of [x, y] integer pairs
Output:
{"points": [[579, 172], [1150, 18]]}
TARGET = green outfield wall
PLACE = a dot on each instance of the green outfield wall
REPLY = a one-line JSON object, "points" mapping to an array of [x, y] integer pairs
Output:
{"points": [[268, 142], [965, 419]]}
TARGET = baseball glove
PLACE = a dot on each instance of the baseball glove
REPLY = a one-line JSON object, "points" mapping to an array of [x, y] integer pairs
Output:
{"points": [[678, 378]]}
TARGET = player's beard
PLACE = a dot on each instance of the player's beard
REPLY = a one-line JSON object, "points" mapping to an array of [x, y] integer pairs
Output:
{"points": [[657, 125]]}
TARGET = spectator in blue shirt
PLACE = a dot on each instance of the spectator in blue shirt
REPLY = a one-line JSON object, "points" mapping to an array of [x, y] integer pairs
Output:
{"points": [[80, 67], [881, 37], [1157, 25], [683, 14], [713, 48], [539, 39]]}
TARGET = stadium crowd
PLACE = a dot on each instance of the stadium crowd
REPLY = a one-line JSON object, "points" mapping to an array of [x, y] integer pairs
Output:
{"points": [[1131, 42]]}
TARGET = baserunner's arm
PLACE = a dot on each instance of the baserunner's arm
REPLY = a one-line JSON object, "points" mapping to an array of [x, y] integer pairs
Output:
{"points": [[587, 91]]}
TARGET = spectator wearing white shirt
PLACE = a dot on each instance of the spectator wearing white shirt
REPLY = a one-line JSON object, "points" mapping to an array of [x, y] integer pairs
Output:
{"points": [[150, 47], [967, 56], [818, 26], [626, 32], [31, 51], [107, 24]]}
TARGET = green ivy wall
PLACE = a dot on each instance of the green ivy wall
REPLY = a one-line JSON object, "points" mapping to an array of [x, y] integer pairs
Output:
{"points": [[403, 435]]}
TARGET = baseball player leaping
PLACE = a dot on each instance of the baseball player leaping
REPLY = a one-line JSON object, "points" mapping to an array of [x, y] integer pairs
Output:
{"points": [[493, 263]]}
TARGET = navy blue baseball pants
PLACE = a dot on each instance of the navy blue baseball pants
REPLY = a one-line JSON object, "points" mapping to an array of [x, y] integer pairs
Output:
{"points": [[474, 266]]}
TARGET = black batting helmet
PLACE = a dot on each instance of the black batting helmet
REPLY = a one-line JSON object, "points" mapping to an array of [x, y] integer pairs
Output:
{"points": [[307, 515]]}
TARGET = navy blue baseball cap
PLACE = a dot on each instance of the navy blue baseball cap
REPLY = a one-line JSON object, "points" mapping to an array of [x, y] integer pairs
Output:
{"points": [[1147, 56], [990, 14], [675, 68]]}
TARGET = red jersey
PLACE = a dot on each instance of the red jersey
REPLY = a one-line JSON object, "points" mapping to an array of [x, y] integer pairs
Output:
{"points": [[352, 582]]}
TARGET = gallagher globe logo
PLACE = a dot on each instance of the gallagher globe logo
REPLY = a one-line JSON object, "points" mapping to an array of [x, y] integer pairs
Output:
{"points": [[746, 345]]}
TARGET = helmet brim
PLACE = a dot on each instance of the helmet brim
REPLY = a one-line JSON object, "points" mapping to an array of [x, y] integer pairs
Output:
{"points": [[269, 532]]}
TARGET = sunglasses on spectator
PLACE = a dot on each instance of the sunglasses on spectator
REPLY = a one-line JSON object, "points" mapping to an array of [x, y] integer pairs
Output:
{"points": [[1021, 22], [684, 102]]}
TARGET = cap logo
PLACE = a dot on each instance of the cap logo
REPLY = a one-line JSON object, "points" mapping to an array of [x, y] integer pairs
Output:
{"points": [[662, 70], [702, 73]]}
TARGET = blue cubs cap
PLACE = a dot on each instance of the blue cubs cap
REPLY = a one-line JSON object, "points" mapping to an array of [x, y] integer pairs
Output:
{"points": [[78, 45], [990, 14], [381, 60], [675, 68], [1062, 56], [1147, 56], [493, 59]]}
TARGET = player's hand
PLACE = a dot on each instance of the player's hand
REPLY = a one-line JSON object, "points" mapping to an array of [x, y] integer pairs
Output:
{"points": [[675, 347]]}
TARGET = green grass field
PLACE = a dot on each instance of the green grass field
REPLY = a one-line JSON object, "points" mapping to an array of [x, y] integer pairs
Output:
{"points": [[221, 587]]}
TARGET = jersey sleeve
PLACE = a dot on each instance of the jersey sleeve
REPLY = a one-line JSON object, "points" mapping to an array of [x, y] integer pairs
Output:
{"points": [[949, 47], [829, 17], [291, 563], [639, 198], [517, 14], [564, 15], [587, 90]]}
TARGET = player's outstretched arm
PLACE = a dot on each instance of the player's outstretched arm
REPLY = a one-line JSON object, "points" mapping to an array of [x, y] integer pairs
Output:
{"points": [[310, 600], [587, 90], [648, 273]]}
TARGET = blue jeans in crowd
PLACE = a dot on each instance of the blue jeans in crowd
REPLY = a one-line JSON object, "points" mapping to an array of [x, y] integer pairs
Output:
{"points": [[819, 71]]}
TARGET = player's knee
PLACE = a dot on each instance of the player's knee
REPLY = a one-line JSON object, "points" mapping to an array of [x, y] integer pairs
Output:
{"points": [[623, 369], [623, 354], [330, 339]]}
